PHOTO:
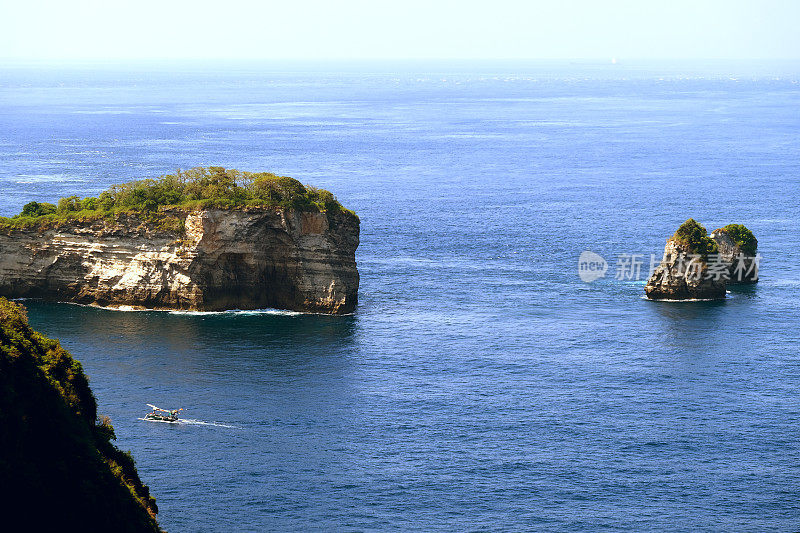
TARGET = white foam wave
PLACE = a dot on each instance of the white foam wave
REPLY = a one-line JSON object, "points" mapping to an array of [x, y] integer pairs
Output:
{"points": [[240, 312], [231, 312], [687, 300]]}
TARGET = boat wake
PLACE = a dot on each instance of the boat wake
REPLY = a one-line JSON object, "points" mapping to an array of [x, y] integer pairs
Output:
{"points": [[192, 422]]}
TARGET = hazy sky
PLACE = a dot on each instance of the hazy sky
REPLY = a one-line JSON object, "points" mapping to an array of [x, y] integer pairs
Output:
{"points": [[351, 29]]}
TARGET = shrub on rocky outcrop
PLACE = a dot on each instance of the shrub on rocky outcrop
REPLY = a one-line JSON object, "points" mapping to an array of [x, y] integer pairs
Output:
{"points": [[190, 189], [694, 235], [743, 237]]}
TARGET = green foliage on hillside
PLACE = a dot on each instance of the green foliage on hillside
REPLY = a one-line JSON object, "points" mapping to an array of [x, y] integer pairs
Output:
{"points": [[743, 237], [191, 189], [59, 468], [35, 209], [695, 236]]}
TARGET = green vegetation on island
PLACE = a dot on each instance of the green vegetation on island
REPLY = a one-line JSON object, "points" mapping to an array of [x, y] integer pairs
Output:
{"points": [[196, 188], [695, 237], [743, 238], [60, 470]]}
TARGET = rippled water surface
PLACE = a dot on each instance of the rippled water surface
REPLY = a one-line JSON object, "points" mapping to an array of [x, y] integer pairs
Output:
{"points": [[480, 384]]}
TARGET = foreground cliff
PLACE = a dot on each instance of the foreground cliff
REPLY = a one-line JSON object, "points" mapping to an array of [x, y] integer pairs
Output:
{"points": [[58, 468], [698, 266], [289, 252]]}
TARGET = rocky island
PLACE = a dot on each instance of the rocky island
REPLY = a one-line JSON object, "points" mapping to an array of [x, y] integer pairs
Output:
{"points": [[698, 266], [207, 239], [59, 469]]}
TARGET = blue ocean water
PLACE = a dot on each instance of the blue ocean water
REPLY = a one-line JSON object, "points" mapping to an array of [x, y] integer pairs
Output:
{"points": [[481, 385]]}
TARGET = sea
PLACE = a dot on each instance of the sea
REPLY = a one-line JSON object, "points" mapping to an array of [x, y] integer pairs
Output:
{"points": [[482, 384]]}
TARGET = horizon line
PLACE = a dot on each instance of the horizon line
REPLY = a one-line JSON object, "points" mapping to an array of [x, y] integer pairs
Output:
{"points": [[336, 59]]}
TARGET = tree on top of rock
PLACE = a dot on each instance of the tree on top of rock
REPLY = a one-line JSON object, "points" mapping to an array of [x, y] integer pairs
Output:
{"points": [[694, 235]]}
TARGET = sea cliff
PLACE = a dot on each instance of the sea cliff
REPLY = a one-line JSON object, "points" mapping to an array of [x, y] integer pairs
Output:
{"points": [[698, 266], [245, 258], [678, 278], [205, 254], [59, 469]]}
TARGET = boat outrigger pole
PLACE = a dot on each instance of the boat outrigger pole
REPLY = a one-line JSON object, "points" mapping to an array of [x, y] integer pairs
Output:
{"points": [[162, 415]]}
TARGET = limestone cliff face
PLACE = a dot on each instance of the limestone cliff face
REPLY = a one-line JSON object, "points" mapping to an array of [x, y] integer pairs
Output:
{"points": [[245, 258], [676, 278]]}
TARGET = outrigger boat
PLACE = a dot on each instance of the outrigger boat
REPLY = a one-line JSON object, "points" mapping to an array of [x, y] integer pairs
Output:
{"points": [[162, 415]]}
